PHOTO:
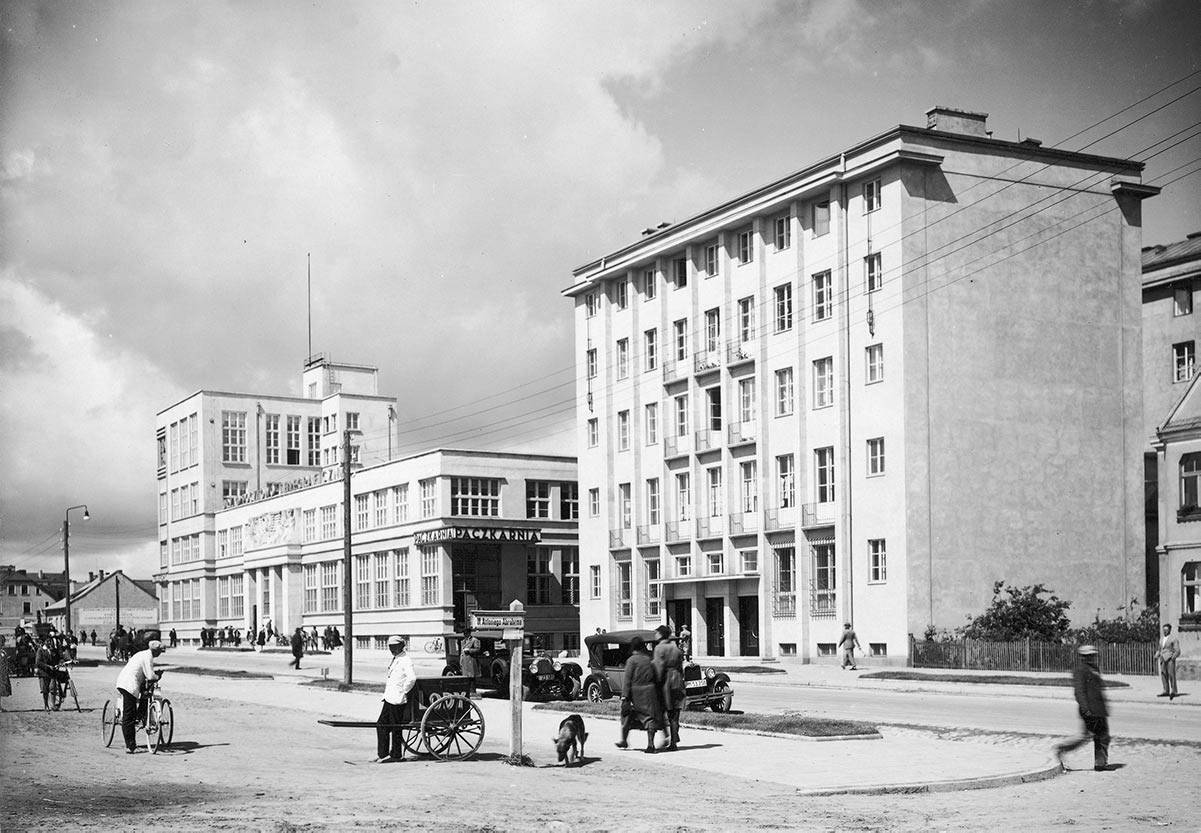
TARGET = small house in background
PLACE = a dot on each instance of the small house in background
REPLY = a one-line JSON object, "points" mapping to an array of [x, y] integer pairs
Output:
{"points": [[105, 600], [23, 593]]}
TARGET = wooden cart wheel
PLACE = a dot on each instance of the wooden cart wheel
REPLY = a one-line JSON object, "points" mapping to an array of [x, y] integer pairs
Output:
{"points": [[453, 727], [410, 736]]}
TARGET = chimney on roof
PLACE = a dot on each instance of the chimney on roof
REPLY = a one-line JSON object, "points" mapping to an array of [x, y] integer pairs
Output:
{"points": [[950, 120], [91, 576], [102, 575]]}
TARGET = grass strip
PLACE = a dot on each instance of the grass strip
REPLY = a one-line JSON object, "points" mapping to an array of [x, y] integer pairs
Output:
{"points": [[788, 723], [337, 685], [218, 672], [989, 679], [750, 669]]}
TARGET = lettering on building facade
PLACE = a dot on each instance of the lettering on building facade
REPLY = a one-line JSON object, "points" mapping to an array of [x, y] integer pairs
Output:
{"points": [[478, 533]]}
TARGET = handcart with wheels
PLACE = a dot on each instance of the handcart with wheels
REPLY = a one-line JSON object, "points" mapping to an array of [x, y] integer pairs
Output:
{"points": [[441, 719]]}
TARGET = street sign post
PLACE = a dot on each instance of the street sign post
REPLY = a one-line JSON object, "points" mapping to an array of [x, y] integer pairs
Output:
{"points": [[511, 624]]}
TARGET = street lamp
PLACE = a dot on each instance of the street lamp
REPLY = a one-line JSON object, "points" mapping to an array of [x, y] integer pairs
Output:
{"points": [[67, 559]]}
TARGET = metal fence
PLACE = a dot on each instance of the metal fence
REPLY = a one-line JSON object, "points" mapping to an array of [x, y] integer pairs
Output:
{"points": [[1028, 655]]}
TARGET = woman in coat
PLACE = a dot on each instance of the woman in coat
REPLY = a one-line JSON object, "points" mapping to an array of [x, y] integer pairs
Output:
{"points": [[469, 654], [640, 705]]}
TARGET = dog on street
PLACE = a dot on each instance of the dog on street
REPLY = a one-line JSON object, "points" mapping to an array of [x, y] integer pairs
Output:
{"points": [[570, 741]]}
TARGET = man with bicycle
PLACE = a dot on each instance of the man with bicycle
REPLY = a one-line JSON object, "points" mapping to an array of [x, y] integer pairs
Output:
{"points": [[45, 664], [131, 685]]}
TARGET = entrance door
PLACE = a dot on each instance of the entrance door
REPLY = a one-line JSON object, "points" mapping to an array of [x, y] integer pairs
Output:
{"points": [[748, 626], [679, 614], [715, 627]]}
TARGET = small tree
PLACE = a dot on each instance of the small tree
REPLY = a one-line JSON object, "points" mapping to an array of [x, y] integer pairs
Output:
{"points": [[1019, 613]]}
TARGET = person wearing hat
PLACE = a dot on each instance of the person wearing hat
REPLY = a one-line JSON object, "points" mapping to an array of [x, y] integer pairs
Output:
{"points": [[131, 685], [469, 654], [1090, 698], [398, 682], [848, 644]]}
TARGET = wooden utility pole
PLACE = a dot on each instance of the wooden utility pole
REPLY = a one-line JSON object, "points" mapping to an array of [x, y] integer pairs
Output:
{"points": [[515, 646], [347, 567]]}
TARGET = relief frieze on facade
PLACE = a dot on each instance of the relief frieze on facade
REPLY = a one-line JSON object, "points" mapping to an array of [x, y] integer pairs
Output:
{"points": [[272, 528]]}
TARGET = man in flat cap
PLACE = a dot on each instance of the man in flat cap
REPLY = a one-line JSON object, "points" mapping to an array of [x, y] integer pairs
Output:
{"points": [[1090, 698], [398, 682], [131, 685]]}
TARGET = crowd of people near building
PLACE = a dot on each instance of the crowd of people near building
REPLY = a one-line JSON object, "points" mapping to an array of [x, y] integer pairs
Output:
{"points": [[267, 635]]}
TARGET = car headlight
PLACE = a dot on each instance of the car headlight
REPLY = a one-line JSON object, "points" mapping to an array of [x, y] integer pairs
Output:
{"points": [[710, 673]]}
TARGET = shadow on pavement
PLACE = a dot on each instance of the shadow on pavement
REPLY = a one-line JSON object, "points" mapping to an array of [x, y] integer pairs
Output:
{"points": [[189, 746]]}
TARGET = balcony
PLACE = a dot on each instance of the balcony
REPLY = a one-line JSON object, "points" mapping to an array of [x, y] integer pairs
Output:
{"points": [[742, 433], [710, 527], [744, 523], [674, 531], [738, 352], [617, 539], [707, 362], [675, 447], [648, 535], [674, 371], [708, 440], [817, 514], [781, 517]]}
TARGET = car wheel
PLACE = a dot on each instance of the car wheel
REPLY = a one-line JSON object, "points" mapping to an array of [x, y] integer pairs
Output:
{"points": [[451, 672], [722, 705], [594, 693]]}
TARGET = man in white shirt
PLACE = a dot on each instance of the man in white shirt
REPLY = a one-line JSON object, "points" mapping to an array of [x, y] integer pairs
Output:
{"points": [[398, 682], [130, 684]]}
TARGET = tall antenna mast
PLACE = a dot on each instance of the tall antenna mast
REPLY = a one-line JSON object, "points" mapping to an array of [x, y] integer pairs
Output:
{"points": [[309, 261]]}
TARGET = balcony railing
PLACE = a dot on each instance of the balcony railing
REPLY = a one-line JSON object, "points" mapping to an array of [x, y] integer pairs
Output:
{"points": [[707, 440], [707, 361], [616, 538], [740, 351], [742, 523], [817, 514], [648, 534], [743, 432], [673, 371], [779, 517], [675, 446], [673, 531], [710, 527]]}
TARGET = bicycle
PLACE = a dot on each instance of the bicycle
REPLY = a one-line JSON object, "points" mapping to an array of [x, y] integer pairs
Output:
{"points": [[61, 686], [159, 724]]}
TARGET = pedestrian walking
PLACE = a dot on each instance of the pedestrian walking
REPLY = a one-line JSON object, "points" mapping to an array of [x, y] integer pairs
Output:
{"points": [[686, 642], [1169, 649], [1090, 699], [262, 640], [297, 647], [640, 706], [93, 637], [848, 644], [398, 682], [469, 654], [313, 638], [174, 638], [668, 660]]}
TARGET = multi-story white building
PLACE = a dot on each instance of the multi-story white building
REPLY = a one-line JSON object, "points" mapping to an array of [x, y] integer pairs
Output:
{"points": [[251, 519], [865, 392]]}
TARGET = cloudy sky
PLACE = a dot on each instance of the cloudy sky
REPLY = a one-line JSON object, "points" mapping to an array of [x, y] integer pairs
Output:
{"points": [[165, 167]]}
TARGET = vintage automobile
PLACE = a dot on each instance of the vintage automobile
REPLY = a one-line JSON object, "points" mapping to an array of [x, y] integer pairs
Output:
{"points": [[542, 677], [607, 655]]}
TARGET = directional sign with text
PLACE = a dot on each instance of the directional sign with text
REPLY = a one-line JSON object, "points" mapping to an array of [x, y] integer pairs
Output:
{"points": [[497, 620]]}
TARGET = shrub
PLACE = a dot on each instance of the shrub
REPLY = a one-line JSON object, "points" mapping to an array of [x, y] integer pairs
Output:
{"points": [[1032, 612], [1142, 628]]}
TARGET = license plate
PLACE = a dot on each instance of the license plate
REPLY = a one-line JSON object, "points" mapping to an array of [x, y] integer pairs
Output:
{"points": [[546, 676], [695, 684]]}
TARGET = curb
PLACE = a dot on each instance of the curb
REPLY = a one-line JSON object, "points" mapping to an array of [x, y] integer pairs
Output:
{"points": [[733, 731], [957, 785]]}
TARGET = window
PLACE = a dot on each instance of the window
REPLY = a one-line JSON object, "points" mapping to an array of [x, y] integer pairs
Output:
{"points": [[823, 296], [871, 195], [746, 319], [651, 414], [193, 439], [711, 261], [314, 436], [683, 566], [878, 649], [293, 439], [648, 284], [310, 525], [823, 463], [330, 424], [379, 503], [712, 330], [430, 568], [272, 439], [750, 560], [623, 492], [362, 583], [173, 445], [231, 491], [823, 382], [746, 400], [873, 272], [824, 577], [537, 499], [713, 406], [400, 577], [571, 575], [784, 392], [821, 218], [783, 229], [429, 498], [681, 411], [235, 541], [783, 295], [538, 576], [652, 501], [654, 590], [1184, 357], [1190, 480], [161, 439], [788, 649], [717, 563], [716, 492], [623, 430], [331, 586], [784, 598], [329, 522], [624, 590], [233, 436], [590, 359], [594, 503], [679, 272], [1182, 301], [594, 581], [1190, 588], [400, 503], [590, 305], [875, 456], [475, 496], [623, 358], [786, 480], [680, 329], [877, 560], [569, 501], [684, 496], [746, 247], [352, 421], [621, 293], [593, 432], [875, 363], [749, 474], [650, 342], [362, 512]]}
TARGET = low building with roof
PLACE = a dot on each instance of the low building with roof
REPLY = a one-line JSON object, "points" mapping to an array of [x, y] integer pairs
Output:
{"points": [[105, 600]]}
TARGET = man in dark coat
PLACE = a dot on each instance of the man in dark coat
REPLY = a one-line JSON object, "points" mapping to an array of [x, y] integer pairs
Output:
{"points": [[640, 706], [469, 654], [668, 660], [1090, 698], [297, 647]]}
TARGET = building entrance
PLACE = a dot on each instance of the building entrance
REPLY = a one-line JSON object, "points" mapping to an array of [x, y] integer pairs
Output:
{"points": [[715, 627], [475, 576], [679, 614], [748, 626]]}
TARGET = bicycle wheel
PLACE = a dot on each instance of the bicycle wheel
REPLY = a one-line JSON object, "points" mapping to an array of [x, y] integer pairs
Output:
{"points": [[166, 724], [74, 694], [109, 718], [152, 733]]}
